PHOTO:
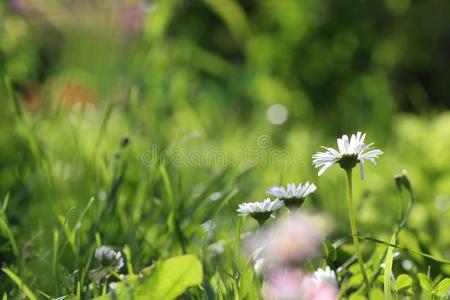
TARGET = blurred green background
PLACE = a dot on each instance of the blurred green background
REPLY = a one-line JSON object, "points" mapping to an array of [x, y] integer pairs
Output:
{"points": [[212, 76]]}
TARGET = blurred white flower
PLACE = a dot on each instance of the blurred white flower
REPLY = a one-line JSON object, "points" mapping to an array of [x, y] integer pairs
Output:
{"points": [[112, 285], [208, 226], [259, 265], [293, 196], [291, 240], [108, 257], [260, 211], [351, 152], [102, 195], [215, 196], [325, 276], [216, 248]]}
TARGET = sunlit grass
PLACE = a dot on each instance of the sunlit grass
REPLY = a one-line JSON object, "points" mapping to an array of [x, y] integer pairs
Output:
{"points": [[143, 127]]}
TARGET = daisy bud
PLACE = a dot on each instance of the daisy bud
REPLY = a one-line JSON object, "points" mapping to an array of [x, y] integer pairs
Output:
{"points": [[402, 181]]}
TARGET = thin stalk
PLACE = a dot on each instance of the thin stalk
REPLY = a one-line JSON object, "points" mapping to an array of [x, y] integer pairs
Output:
{"points": [[260, 224], [351, 215]]}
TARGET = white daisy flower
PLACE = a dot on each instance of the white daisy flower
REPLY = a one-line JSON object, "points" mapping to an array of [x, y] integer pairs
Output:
{"points": [[325, 276], [351, 152], [108, 257], [260, 211], [293, 196]]}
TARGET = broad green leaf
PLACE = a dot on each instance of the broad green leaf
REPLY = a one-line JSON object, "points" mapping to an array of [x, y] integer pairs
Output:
{"points": [[355, 268], [167, 280], [171, 278], [376, 294], [355, 281], [125, 290], [425, 282], [22, 286], [404, 281], [442, 287], [357, 297]]}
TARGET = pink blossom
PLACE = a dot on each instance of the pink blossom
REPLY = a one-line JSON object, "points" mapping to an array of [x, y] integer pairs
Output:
{"points": [[291, 240], [322, 291], [283, 284], [292, 284]]}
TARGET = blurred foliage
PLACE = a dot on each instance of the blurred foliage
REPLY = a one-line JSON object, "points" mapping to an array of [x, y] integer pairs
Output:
{"points": [[199, 76]]}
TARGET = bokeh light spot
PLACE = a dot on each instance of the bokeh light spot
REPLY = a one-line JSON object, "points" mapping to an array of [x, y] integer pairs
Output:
{"points": [[277, 114]]}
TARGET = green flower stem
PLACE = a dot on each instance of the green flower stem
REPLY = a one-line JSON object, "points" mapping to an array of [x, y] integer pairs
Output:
{"points": [[260, 223], [351, 215], [261, 217]]}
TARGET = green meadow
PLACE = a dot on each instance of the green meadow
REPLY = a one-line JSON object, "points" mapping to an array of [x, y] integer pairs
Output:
{"points": [[143, 125]]}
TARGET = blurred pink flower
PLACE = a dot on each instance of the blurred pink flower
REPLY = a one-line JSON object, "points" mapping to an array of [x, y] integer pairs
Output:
{"points": [[283, 284], [292, 284], [291, 240], [128, 17], [322, 291], [22, 6], [132, 18]]}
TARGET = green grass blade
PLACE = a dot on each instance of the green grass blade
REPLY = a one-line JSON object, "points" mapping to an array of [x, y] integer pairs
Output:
{"points": [[22, 286], [388, 269], [5, 203], [441, 260], [102, 129], [12, 96], [167, 185], [7, 231], [55, 259]]}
